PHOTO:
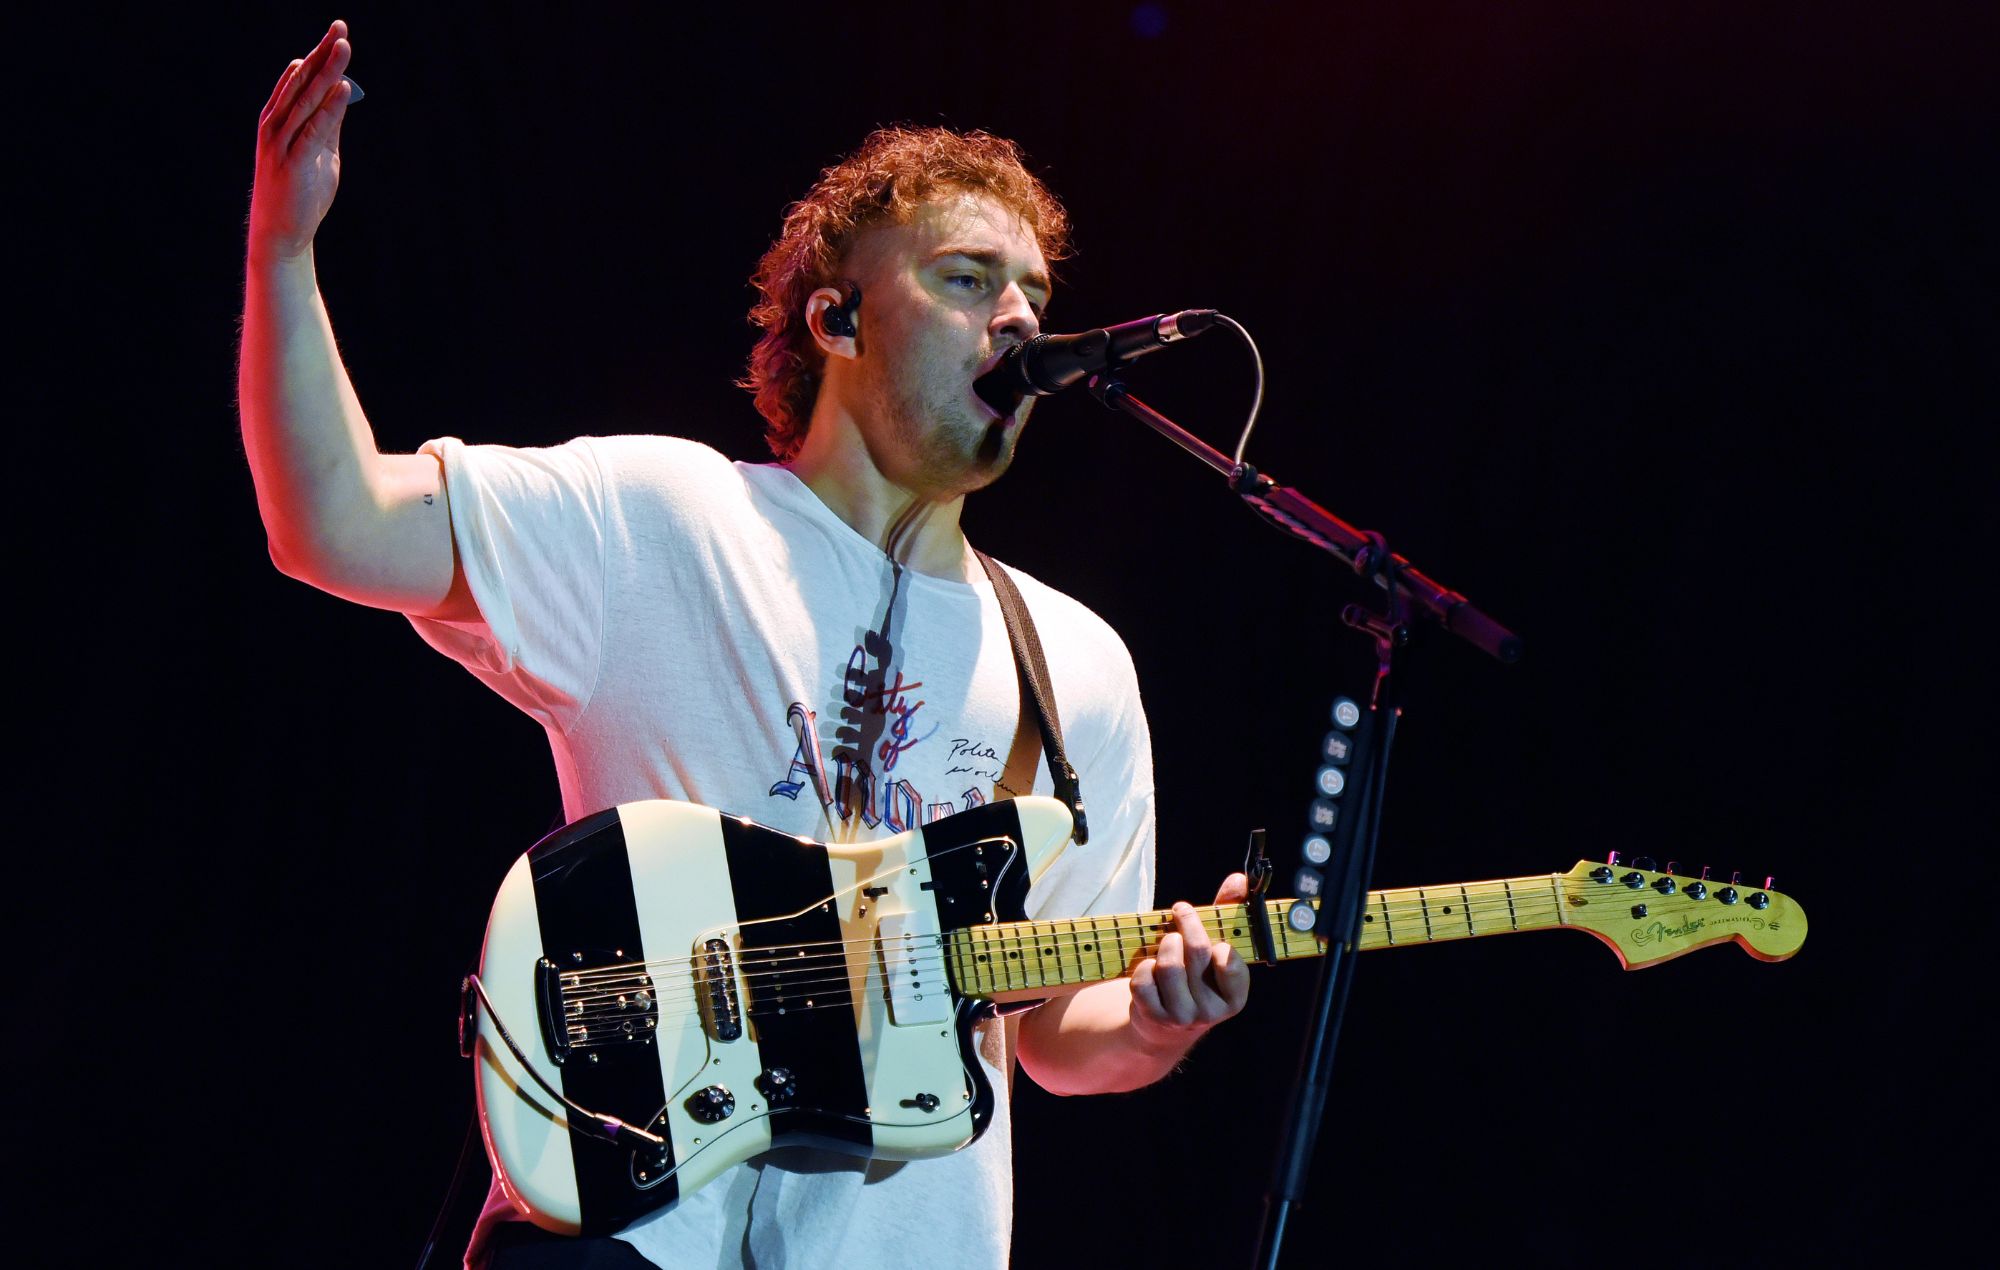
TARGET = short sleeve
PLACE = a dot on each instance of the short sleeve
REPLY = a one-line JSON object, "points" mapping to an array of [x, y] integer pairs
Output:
{"points": [[530, 530], [1114, 871]]}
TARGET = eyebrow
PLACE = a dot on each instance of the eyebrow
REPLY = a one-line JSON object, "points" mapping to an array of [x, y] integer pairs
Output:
{"points": [[994, 260]]}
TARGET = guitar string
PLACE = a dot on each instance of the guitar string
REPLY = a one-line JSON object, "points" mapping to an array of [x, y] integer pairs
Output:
{"points": [[792, 959], [839, 995], [600, 980], [1159, 918], [840, 998], [609, 982], [593, 1008]]}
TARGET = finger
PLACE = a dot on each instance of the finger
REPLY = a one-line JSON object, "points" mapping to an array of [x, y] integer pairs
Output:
{"points": [[278, 91], [1170, 979], [1226, 987], [1145, 991], [313, 96], [324, 126], [1231, 976], [301, 72], [1194, 936], [1234, 890]]}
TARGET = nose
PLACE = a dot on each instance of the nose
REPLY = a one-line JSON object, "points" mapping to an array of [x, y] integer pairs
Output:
{"points": [[1013, 317]]}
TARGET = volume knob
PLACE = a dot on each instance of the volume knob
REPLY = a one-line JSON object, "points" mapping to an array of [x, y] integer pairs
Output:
{"points": [[711, 1105]]}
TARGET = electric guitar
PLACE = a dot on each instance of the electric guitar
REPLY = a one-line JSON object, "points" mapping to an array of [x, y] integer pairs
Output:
{"points": [[666, 991]]}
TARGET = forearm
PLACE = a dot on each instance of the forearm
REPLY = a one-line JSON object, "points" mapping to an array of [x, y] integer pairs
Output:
{"points": [[307, 439], [1087, 1043]]}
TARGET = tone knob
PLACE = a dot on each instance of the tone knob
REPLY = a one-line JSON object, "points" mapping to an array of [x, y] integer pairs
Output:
{"points": [[711, 1105], [777, 1086]]}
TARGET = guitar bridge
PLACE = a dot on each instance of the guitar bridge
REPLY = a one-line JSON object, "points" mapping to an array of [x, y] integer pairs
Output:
{"points": [[723, 1012]]}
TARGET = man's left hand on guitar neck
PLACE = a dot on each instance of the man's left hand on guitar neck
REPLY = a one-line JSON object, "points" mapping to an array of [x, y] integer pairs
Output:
{"points": [[1127, 1033]]}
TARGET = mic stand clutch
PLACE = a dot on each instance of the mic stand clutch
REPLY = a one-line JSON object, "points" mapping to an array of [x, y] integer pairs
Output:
{"points": [[1351, 869]]}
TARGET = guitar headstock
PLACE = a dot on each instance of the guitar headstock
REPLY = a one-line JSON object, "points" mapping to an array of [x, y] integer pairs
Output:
{"points": [[1649, 916]]}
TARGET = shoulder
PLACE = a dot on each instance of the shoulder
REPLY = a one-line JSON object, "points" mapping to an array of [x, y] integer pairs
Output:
{"points": [[1071, 631], [641, 471]]}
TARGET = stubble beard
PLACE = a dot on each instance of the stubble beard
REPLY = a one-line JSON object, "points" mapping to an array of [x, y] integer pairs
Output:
{"points": [[954, 448]]}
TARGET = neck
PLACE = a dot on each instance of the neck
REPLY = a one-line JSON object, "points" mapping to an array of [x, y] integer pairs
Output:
{"points": [[1010, 961], [915, 527]]}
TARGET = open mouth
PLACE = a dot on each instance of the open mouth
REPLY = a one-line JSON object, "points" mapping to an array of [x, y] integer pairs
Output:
{"points": [[1000, 398]]}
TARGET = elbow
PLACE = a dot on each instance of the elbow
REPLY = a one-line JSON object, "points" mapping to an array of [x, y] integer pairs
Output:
{"points": [[302, 556]]}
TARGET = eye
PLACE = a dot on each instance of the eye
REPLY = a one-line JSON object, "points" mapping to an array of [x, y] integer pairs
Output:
{"points": [[968, 281]]}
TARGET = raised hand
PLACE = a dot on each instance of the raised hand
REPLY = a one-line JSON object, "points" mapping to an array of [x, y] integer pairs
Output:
{"points": [[298, 149]]}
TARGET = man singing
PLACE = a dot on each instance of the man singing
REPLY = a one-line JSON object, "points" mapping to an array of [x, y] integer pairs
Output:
{"points": [[810, 643]]}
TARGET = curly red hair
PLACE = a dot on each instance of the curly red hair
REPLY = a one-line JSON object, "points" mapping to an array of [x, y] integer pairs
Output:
{"points": [[895, 172]]}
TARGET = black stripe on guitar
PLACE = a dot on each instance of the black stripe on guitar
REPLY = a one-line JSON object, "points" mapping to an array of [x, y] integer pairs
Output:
{"points": [[772, 875], [590, 918]]}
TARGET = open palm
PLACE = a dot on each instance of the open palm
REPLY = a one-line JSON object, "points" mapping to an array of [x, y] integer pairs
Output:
{"points": [[298, 148]]}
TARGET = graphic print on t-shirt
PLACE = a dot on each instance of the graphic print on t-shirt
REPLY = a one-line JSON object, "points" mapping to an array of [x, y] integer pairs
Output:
{"points": [[879, 716]]}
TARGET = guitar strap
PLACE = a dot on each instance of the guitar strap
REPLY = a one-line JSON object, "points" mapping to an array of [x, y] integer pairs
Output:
{"points": [[1037, 694]]}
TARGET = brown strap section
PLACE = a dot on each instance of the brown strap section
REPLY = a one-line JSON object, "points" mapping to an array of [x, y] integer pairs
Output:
{"points": [[1037, 691]]}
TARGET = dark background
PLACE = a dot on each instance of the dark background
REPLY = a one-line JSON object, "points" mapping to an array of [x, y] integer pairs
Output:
{"points": [[1661, 331]]}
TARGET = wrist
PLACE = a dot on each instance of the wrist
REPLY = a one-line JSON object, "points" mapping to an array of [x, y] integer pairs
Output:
{"points": [[270, 256]]}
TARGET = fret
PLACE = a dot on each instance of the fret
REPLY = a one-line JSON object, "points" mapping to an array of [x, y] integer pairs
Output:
{"points": [[988, 972], [1007, 955], [1066, 952]]}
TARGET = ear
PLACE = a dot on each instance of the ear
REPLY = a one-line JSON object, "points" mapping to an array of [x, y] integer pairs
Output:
{"points": [[835, 337]]}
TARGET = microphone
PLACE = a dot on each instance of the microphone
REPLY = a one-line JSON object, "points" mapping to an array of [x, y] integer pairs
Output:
{"points": [[1048, 364]]}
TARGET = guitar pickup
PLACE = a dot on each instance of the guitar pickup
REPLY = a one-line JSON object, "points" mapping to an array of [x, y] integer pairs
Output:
{"points": [[721, 1009], [912, 953]]}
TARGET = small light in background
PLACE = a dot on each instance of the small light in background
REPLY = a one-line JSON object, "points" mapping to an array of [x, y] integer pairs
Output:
{"points": [[1149, 21]]}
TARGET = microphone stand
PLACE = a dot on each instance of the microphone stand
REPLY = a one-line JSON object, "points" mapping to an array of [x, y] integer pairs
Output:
{"points": [[1351, 870]]}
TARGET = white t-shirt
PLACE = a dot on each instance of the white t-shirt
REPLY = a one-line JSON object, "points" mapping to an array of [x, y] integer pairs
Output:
{"points": [[687, 627]]}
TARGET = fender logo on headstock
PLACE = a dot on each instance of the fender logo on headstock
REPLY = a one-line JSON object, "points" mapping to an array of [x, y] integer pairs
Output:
{"points": [[1659, 932]]}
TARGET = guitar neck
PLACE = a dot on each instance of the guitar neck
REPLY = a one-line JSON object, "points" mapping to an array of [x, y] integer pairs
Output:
{"points": [[1011, 960]]}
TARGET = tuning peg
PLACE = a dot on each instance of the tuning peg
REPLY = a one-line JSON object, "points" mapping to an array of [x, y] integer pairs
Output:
{"points": [[1612, 859], [1704, 873], [1645, 862], [1735, 877], [1768, 881], [1670, 866]]}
